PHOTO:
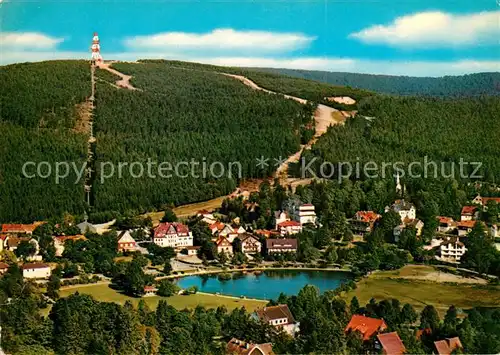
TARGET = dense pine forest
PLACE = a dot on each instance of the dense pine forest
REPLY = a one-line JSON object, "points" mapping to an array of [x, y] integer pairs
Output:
{"points": [[390, 129], [180, 115], [38, 117], [447, 86]]}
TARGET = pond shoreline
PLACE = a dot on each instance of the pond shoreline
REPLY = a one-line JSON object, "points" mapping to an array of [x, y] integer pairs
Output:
{"points": [[250, 270]]}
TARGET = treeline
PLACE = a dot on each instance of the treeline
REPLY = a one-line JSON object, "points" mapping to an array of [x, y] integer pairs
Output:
{"points": [[404, 130], [446, 86], [78, 324], [315, 91], [183, 116], [37, 121]]}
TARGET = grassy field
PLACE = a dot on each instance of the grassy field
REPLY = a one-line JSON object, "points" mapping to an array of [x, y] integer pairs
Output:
{"points": [[102, 292], [419, 293], [188, 210]]}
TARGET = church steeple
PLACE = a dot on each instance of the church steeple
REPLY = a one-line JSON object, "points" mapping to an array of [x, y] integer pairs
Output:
{"points": [[399, 187]]}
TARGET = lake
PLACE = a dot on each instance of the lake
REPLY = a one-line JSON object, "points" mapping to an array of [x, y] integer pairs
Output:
{"points": [[268, 284]]}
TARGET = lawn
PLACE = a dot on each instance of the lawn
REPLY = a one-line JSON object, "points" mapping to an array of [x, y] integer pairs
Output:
{"points": [[419, 293], [102, 292]]}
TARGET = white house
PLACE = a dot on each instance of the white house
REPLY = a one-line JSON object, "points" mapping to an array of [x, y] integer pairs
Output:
{"points": [[406, 210], [305, 214], [451, 249], [250, 244], [150, 291], [289, 227], [175, 235], [36, 271], [192, 251], [465, 227], [279, 317]]}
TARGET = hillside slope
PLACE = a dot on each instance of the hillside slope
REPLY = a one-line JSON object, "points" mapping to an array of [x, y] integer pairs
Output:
{"points": [[180, 116], [447, 86], [40, 125]]}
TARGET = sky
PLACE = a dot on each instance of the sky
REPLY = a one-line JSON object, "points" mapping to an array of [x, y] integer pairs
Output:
{"points": [[396, 37]]}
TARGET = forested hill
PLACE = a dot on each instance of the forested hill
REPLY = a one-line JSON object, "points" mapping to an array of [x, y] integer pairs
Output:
{"points": [[447, 86]]}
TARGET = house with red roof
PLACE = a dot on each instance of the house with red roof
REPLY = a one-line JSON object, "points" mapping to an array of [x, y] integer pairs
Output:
{"points": [[390, 344], [150, 291], [289, 227], [469, 213], [446, 224], [465, 227], [175, 235], [363, 221], [448, 345], [368, 327], [20, 228]]}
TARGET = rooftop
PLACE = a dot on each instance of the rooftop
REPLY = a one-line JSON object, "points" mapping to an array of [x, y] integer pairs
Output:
{"points": [[392, 343], [280, 311], [365, 325]]}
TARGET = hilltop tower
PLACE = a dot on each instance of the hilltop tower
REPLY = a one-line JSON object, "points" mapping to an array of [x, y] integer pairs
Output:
{"points": [[96, 50]]}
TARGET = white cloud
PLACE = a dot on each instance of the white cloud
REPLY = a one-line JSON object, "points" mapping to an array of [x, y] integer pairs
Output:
{"points": [[221, 39], [354, 65], [28, 40], [435, 29]]}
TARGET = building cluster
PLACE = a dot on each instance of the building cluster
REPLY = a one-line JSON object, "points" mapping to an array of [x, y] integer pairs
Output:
{"points": [[389, 343]]}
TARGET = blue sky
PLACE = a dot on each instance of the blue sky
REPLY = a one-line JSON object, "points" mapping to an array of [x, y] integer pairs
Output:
{"points": [[412, 37]]}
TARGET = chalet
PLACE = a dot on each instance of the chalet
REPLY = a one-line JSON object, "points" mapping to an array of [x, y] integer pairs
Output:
{"points": [[448, 346], [175, 235], [36, 271], [240, 347], [279, 317], [279, 217], [3, 268], [224, 245], [59, 242], [150, 291], [390, 344], [367, 326], [289, 227], [446, 224], [363, 221], [281, 245], [250, 244], [192, 250], [451, 249], [406, 210], [126, 242], [305, 214], [465, 227], [469, 213]]}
